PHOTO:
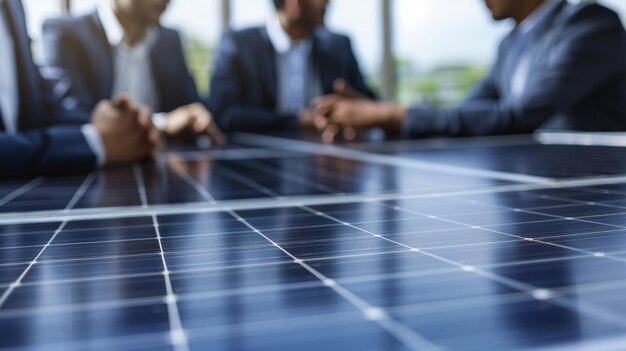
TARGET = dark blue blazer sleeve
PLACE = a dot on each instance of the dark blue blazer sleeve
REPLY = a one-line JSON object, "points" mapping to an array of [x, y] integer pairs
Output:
{"points": [[249, 119], [484, 90], [228, 94], [64, 67], [78, 63], [175, 83], [50, 151], [585, 57], [356, 76]]}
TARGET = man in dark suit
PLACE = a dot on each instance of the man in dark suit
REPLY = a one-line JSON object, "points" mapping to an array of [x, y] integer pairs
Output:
{"points": [[265, 77], [35, 137], [562, 67], [122, 49]]}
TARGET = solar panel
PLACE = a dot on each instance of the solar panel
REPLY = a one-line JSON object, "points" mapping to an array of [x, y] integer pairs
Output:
{"points": [[281, 243]]}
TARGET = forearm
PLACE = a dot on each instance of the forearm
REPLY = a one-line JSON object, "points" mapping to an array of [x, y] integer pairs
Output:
{"points": [[55, 150], [242, 118]]}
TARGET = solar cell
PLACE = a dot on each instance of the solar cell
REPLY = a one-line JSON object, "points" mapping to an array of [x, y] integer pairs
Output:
{"points": [[478, 244]]}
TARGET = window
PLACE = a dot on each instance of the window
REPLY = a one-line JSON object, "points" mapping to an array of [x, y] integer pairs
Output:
{"points": [[199, 24], [618, 6], [347, 17], [442, 48], [248, 13]]}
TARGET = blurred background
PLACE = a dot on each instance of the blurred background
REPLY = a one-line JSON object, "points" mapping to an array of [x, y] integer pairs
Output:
{"points": [[426, 51]]}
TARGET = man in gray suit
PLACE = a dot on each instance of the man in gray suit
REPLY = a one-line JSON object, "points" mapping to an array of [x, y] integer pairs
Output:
{"points": [[562, 67]]}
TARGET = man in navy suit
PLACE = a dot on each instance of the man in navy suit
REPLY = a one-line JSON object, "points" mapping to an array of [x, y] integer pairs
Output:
{"points": [[36, 136], [265, 77], [119, 49], [562, 67]]}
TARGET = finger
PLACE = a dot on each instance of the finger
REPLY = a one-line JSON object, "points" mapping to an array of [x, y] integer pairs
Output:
{"points": [[123, 102], [155, 143], [144, 117], [189, 123], [320, 122], [176, 122], [322, 100], [148, 144], [349, 133], [202, 122], [216, 135], [342, 115], [344, 89], [126, 109], [326, 104], [201, 118], [138, 145], [330, 134]]}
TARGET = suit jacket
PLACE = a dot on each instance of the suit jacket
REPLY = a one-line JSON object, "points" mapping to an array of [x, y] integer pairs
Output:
{"points": [[42, 144], [576, 81], [78, 60], [244, 84]]}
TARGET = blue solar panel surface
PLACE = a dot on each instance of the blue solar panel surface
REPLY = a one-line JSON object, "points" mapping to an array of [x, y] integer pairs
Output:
{"points": [[285, 244]]}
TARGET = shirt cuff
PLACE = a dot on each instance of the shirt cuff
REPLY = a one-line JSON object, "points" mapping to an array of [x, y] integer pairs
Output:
{"points": [[159, 120], [95, 143], [291, 121], [411, 123]]}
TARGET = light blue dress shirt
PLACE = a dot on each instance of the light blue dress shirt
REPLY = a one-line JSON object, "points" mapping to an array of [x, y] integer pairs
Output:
{"points": [[298, 83]]}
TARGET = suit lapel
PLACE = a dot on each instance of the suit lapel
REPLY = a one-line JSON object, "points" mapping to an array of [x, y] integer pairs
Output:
{"points": [[160, 70], [536, 51], [268, 70], [323, 63], [102, 58], [545, 25], [30, 99]]}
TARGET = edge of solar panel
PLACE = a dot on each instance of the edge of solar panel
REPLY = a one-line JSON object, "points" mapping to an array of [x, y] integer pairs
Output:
{"points": [[319, 257]]}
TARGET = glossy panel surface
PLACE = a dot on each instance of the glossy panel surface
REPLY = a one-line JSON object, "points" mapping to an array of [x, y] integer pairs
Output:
{"points": [[257, 248]]}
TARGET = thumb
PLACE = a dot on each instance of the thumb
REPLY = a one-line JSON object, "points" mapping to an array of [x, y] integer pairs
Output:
{"points": [[123, 102], [345, 90]]}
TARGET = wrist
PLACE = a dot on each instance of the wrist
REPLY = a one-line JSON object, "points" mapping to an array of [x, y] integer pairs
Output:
{"points": [[95, 142], [160, 121], [306, 120], [393, 117]]}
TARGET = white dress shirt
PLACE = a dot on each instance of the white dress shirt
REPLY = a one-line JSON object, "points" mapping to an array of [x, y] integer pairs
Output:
{"points": [[297, 80], [9, 94], [132, 65], [520, 75]]}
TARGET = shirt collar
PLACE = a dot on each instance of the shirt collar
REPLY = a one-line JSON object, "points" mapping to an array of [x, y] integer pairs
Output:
{"points": [[112, 27], [537, 16], [280, 39], [114, 30]]}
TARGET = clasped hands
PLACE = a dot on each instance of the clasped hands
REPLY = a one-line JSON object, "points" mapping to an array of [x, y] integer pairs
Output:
{"points": [[128, 134], [347, 112]]}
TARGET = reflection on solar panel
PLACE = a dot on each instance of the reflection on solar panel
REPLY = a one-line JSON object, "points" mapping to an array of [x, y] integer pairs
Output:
{"points": [[486, 244]]}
